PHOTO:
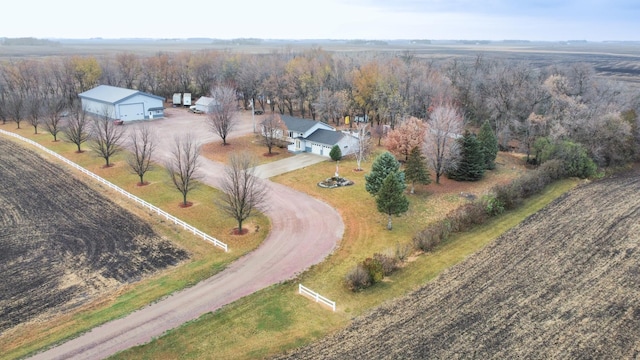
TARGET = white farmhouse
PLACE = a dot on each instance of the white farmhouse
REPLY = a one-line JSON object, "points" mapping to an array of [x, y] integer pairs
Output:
{"points": [[304, 135], [122, 104]]}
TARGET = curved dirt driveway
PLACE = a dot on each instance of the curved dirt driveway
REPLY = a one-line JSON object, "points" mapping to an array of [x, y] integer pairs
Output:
{"points": [[304, 231]]}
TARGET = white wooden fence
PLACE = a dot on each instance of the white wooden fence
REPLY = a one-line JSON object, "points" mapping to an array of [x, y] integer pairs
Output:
{"points": [[319, 298], [143, 203]]}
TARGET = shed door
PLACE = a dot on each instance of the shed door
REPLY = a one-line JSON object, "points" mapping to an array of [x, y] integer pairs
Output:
{"points": [[130, 112]]}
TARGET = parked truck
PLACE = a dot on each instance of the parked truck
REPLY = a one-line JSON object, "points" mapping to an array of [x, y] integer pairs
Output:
{"points": [[177, 99], [186, 99]]}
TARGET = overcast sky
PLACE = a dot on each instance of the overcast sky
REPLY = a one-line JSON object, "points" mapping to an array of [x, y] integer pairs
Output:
{"points": [[593, 20]]}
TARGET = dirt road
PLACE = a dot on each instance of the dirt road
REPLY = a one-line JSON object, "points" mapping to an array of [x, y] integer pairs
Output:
{"points": [[304, 231]]}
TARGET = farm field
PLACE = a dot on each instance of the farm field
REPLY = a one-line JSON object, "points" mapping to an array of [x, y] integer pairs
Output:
{"points": [[63, 243], [615, 60], [562, 284]]}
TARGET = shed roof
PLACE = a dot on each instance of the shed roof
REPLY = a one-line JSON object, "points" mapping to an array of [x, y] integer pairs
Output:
{"points": [[112, 94], [206, 101], [298, 124], [326, 137]]}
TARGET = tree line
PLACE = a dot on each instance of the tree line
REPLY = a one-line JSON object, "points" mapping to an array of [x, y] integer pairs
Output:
{"points": [[522, 103]]}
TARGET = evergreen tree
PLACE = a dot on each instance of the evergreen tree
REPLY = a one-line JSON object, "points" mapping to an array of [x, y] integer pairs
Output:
{"points": [[335, 154], [391, 199], [471, 164], [415, 169], [383, 165], [573, 155], [489, 145]]}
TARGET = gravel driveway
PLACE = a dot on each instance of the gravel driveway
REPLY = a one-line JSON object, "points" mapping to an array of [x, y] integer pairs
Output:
{"points": [[304, 231]]}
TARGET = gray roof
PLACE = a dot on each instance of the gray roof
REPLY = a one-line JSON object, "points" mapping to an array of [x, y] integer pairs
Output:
{"points": [[326, 137], [297, 124], [112, 94], [206, 101]]}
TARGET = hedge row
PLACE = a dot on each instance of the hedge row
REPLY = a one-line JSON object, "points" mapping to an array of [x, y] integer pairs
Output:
{"points": [[499, 199]]}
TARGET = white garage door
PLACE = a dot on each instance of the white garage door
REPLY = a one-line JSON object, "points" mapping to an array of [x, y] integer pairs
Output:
{"points": [[130, 112], [316, 149]]}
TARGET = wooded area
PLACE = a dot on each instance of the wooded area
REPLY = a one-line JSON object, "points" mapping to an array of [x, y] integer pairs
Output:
{"points": [[522, 101]]}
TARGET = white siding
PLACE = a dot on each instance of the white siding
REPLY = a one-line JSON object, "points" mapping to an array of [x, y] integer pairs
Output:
{"points": [[348, 144], [98, 108], [136, 107]]}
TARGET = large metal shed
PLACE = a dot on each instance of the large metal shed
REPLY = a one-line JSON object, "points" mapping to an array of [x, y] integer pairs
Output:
{"points": [[122, 104]]}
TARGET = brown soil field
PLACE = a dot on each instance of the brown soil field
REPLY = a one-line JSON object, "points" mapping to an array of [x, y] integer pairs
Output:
{"points": [[62, 243], [564, 284]]}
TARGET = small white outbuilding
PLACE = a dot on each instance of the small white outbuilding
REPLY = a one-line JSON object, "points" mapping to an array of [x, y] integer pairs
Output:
{"points": [[205, 104], [122, 104]]}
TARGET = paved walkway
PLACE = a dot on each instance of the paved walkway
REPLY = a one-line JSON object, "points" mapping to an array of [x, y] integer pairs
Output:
{"points": [[283, 166]]}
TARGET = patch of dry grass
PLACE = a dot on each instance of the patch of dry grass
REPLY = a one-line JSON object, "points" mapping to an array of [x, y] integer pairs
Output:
{"points": [[365, 231], [250, 143]]}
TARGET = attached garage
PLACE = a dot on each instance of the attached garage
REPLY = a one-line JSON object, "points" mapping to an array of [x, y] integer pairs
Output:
{"points": [[122, 104], [315, 137]]}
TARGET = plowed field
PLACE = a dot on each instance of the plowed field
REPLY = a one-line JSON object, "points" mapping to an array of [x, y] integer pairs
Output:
{"points": [[61, 242], [564, 284]]}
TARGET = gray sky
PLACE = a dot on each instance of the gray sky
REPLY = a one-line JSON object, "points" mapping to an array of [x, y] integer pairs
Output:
{"points": [[593, 20]]}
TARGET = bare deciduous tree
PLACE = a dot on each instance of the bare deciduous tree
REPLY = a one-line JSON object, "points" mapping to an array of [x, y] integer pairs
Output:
{"points": [[128, 66], [273, 130], [142, 145], [183, 165], [221, 116], [16, 107], [4, 93], [363, 144], [332, 105], [34, 112], [106, 137], [76, 131], [244, 193], [53, 107], [443, 128], [380, 132]]}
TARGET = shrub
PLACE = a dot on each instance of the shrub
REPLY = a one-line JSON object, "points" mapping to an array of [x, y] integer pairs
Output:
{"points": [[508, 195], [554, 169], [466, 216], [402, 251], [358, 278], [389, 264], [374, 267], [427, 239], [492, 205], [574, 156], [335, 154]]}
